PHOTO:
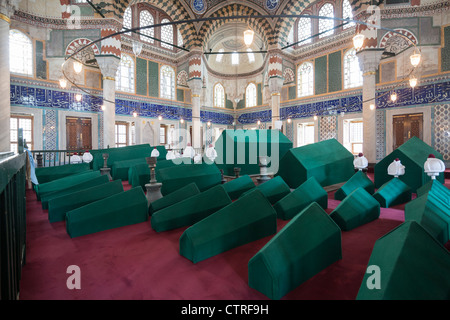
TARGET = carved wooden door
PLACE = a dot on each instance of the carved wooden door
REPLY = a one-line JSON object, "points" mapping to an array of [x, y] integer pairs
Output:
{"points": [[407, 126], [78, 133]]}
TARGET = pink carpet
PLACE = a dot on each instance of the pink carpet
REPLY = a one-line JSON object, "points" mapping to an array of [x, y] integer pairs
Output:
{"points": [[136, 263]]}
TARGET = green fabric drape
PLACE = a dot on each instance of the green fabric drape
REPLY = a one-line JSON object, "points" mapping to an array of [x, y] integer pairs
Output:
{"points": [[174, 198], [63, 183], [47, 174], [274, 189], [412, 154], [392, 193], [191, 210], [80, 186], [58, 207], [358, 208], [306, 245], [249, 218], [122, 209], [293, 203], [359, 179], [238, 186], [408, 264], [432, 214], [204, 175], [328, 161]]}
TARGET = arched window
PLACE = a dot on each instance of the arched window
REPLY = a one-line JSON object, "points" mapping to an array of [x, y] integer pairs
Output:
{"points": [[166, 34], [251, 55], [326, 25], [250, 95], [305, 79], [219, 55], [20, 53], [352, 72], [219, 96], [235, 58], [126, 24], [167, 84], [125, 74], [146, 19], [347, 13], [304, 28]]}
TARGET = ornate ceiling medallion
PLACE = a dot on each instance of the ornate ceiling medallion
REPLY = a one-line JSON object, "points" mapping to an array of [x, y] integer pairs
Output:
{"points": [[198, 6], [271, 5]]}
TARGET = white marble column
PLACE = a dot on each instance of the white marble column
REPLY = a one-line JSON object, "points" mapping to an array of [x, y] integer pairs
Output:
{"points": [[196, 90], [369, 60], [108, 66], [275, 85], [195, 83], [275, 71], [6, 11]]}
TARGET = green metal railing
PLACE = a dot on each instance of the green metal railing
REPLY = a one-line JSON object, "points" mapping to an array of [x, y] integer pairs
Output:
{"points": [[12, 223]]}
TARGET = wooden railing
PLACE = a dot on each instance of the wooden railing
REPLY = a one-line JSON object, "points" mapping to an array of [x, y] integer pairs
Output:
{"points": [[12, 223]]}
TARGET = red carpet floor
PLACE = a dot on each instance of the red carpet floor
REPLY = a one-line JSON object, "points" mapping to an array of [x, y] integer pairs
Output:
{"points": [[137, 263]]}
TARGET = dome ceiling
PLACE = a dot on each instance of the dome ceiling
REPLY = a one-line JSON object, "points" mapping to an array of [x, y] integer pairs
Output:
{"points": [[229, 38]]}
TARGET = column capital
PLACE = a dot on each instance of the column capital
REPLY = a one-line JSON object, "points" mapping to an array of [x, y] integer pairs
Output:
{"points": [[7, 8], [196, 86], [108, 66], [369, 60]]}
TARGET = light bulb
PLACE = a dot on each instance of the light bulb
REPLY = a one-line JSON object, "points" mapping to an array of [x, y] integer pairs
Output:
{"points": [[135, 114], [78, 97], [160, 118], [315, 117], [358, 41], [63, 83], [372, 107], [259, 122], [208, 123], [248, 36], [415, 59], [103, 107], [289, 120], [77, 67], [413, 81], [181, 120], [393, 96]]}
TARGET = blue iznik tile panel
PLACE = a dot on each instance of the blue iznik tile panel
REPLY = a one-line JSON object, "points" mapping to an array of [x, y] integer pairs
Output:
{"points": [[426, 94], [50, 98]]}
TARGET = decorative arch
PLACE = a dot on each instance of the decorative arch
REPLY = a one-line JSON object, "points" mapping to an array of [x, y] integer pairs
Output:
{"points": [[260, 26], [295, 7], [288, 75], [79, 43], [182, 78], [174, 9], [393, 42]]}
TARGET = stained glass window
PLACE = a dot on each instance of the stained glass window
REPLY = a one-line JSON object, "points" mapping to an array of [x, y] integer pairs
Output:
{"points": [[304, 30], [166, 34], [326, 25], [352, 72], [219, 55], [219, 96], [127, 20], [250, 95], [167, 84], [146, 19], [251, 55], [305, 79], [125, 74], [347, 13], [20, 53]]}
